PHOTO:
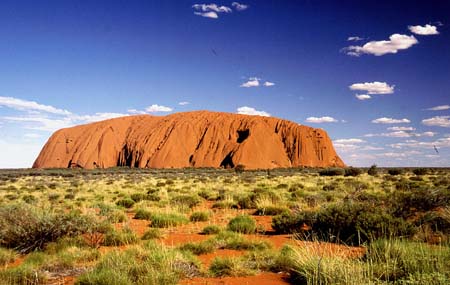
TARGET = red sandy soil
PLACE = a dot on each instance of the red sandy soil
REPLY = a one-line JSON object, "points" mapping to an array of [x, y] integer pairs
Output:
{"points": [[265, 278]]}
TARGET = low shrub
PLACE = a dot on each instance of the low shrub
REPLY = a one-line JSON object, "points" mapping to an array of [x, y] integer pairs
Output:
{"points": [[242, 224], [199, 217], [142, 214], [395, 171], [26, 229], [126, 203], [229, 266], [152, 234], [199, 247], [163, 220], [187, 200], [117, 238], [352, 171], [332, 172], [210, 230]]}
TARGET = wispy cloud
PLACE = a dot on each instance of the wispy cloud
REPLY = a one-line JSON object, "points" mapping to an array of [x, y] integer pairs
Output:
{"points": [[345, 141], [354, 39], [183, 103], [438, 121], [424, 30], [402, 134], [245, 110], [239, 6], [268, 84], [24, 105], [439, 108], [158, 108], [397, 128], [395, 43], [385, 120], [210, 10], [319, 120]]}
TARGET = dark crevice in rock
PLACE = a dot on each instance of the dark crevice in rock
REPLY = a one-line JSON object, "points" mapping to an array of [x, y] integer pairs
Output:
{"points": [[227, 162], [243, 135]]}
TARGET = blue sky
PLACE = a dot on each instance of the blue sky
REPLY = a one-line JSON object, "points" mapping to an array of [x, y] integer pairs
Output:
{"points": [[374, 74]]}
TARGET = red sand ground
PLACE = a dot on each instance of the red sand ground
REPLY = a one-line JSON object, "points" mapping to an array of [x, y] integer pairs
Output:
{"points": [[190, 233]]}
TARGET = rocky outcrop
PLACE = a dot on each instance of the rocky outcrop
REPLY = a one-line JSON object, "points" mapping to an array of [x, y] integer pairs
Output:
{"points": [[192, 139]]}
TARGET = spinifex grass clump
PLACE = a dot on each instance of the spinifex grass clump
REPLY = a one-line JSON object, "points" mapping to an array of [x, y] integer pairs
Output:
{"points": [[199, 216], [242, 224], [151, 264], [117, 238], [165, 220]]}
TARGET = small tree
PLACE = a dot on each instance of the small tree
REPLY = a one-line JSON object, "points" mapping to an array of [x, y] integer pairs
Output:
{"points": [[239, 168], [373, 170]]}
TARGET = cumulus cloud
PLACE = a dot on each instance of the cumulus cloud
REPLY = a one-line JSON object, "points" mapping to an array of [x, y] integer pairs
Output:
{"points": [[210, 10], [136, 112], [268, 84], [183, 103], [438, 121], [244, 110], [239, 6], [373, 87], [41, 123], [354, 39], [363, 97], [424, 30], [158, 108], [318, 120], [25, 105], [252, 82], [385, 120], [395, 43], [439, 108]]}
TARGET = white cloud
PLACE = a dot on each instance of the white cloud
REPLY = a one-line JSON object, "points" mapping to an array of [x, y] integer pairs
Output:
{"points": [[344, 141], [24, 105], [239, 6], [252, 82], [136, 112], [95, 117], [354, 39], [402, 134], [424, 30], [157, 108], [268, 84], [183, 103], [210, 14], [401, 128], [41, 123], [210, 10], [318, 120], [373, 87], [395, 43], [439, 108], [385, 120], [439, 121], [363, 97], [251, 111]]}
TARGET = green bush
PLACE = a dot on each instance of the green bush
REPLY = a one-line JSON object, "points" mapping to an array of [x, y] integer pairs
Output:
{"points": [[352, 171], [373, 170], [199, 217], [142, 214], [163, 220], [199, 247], [126, 203], [26, 229], [117, 238], [395, 171], [210, 230], [332, 172], [242, 224], [152, 234], [420, 171], [187, 200]]}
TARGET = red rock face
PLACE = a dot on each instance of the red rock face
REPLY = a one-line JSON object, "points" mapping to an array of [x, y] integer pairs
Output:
{"points": [[192, 139]]}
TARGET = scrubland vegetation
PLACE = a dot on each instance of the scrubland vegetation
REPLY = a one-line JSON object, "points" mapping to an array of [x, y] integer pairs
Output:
{"points": [[143, 226]]}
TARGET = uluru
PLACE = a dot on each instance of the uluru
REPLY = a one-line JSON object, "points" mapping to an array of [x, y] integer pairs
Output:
{"points": [[189, 139]]}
